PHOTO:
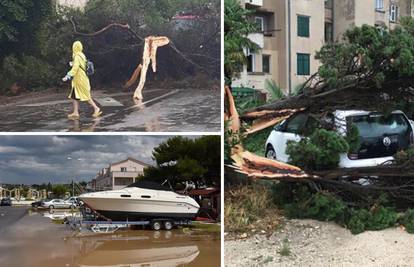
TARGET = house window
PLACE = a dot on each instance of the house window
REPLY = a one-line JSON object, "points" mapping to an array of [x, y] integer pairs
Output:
{"points": [[303, 26], [266, 63], [123, 169], [260, 23], [379, 5], [328, 4], [124, 181], [303, 64], [250, 61], [393, 13], [328, 32]]}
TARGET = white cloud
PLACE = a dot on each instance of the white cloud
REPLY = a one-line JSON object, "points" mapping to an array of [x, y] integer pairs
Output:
{"points": [[12, 149]]}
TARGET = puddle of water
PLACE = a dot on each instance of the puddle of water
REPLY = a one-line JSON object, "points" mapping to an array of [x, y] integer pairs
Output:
{"points": [[35, 240]]}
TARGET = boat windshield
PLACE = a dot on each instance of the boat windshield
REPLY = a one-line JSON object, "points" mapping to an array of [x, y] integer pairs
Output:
{"points": [[149, 185]]}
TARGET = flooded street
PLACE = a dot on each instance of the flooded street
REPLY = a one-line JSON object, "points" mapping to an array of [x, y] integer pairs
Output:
{"points": [[34, 240], [162, 110]]}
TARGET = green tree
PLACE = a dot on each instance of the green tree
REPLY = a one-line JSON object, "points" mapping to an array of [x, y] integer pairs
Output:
{"points": [[318, 152], [19, 22], [59, 190], [368, 55], [181, 159], [236, 28]]}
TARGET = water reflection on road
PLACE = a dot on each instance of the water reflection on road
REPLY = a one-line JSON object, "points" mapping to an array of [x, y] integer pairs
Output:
{"points": [[35, 240], [162, 110]]}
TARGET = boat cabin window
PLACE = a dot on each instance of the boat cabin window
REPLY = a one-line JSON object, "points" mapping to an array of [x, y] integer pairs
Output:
{"points": [[143, 196], [125, 195]]}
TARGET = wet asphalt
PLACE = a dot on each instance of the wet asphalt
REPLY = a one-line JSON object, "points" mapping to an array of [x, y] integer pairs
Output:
{"points": [[10, 215], [162, 110]]}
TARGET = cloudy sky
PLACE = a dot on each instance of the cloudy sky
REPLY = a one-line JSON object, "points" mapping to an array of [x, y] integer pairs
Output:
{"points": [[59, 159]]}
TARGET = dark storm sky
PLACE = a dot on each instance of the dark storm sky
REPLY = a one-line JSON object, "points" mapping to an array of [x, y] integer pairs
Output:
{"points": [[38, 159]]}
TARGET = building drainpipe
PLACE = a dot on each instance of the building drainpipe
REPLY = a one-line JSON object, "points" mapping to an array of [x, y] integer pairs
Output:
{"points": [[333, 20], [289, 48]]}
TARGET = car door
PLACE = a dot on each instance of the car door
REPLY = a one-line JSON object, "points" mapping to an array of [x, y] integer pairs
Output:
{"points": [[59, 203], [290, 132]]}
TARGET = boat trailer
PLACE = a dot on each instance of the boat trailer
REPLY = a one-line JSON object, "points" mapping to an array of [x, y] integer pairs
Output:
{"points": [[95, 226]]}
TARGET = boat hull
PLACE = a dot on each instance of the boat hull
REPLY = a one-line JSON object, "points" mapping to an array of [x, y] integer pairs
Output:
{"points": [[138, 209], [141, 216]]}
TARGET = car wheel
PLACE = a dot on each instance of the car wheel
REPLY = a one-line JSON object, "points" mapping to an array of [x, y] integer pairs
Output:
{"points": [[72, 207], [51, 207], [168, 225], [270, 152], [156, 225]]}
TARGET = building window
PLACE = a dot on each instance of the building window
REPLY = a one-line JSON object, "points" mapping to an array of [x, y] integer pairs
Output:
{"points": [[393, 13], [260, 23], [328, 4], [328, 32], [379, 5], [266, 63], [124, 181], [303, 62], [250, 61], [303, 26], [123, 169]]}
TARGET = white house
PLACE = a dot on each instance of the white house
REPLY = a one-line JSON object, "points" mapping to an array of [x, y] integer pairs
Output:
{"points": [[119, 175]]}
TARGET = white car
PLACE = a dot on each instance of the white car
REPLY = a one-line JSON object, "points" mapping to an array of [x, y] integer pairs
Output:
{"points": [[73, 200], [58, 204], [380, 136]]}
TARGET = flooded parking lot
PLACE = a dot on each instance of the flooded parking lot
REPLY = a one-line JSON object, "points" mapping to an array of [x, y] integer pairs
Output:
{"points": [[31, 238]]}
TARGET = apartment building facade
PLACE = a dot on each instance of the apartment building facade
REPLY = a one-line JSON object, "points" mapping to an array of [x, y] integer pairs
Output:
{"points": [[118, 175], [291, 31]]}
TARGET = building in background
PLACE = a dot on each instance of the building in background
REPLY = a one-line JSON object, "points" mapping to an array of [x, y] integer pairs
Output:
{"points": [[291, 31], [118, 175], [72, 3]]}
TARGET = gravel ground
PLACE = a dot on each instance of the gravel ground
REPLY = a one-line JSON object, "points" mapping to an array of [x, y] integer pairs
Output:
{"points": [[314, 243]]}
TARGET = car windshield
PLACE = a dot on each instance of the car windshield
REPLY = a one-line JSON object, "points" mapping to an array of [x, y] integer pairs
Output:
{"points": [[379, 125]]}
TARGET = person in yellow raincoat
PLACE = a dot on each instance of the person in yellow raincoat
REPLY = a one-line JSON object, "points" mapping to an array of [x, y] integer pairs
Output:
{"points": [[81, 88]]}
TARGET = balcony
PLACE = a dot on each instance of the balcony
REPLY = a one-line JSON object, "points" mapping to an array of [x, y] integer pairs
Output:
{"points": [[125, 174], [256, 3], [257, 38]]}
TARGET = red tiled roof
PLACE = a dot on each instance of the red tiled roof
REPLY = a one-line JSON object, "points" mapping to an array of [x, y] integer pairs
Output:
{"points": [[204, 192]]}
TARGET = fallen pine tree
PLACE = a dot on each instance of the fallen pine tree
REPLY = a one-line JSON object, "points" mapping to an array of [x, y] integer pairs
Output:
{"points": [[370, 70]]}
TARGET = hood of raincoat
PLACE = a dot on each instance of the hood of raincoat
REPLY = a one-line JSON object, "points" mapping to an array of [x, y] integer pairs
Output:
{"points": [[77, 48]]}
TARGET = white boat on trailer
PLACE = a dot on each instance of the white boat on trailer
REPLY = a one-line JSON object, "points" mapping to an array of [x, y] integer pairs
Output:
{"points": [[143, 202]]}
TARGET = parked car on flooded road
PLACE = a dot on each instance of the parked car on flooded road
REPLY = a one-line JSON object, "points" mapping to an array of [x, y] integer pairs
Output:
{"points": [[37, 204], [5, 202], [58, 204], [380, 136]]}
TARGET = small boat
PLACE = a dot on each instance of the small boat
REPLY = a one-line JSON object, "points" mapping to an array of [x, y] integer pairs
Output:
{"points": [[142, 201]]}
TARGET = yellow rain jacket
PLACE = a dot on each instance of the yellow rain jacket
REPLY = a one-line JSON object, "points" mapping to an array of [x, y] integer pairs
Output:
{"points": [[80, 81]]}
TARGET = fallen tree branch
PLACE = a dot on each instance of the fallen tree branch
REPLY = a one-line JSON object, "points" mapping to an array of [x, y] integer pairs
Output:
{"points": [[116, 25]]}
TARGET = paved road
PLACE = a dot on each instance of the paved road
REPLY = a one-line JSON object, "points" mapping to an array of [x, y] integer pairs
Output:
{"points": [[162, 110], [10, 215]]}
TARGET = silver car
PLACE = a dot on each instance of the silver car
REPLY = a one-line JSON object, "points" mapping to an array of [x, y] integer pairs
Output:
{"points": [[58, 204]]}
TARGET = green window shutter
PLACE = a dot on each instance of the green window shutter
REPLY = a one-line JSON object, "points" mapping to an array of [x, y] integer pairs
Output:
{"points": [[303, 64], [303, 26]]}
